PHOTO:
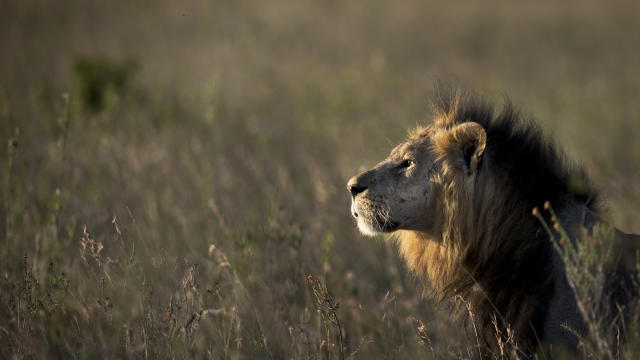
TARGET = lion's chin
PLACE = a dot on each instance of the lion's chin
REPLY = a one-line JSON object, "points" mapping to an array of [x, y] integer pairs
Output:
{"points": [[370, 229], [367, 229]]}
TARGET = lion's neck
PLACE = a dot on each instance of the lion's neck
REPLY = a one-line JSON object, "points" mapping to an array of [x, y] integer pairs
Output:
{"points": [[502, 270]]}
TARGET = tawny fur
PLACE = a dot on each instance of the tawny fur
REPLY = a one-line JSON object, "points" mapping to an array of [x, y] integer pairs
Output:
{"points": [[460, 209]]}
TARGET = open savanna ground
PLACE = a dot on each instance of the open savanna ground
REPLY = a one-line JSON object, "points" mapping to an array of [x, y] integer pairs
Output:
{"points": [[172, 173]]}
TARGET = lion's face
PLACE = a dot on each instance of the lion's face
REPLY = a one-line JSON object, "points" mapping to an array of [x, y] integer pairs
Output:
{"points": [[396, 193], [404, 192]]}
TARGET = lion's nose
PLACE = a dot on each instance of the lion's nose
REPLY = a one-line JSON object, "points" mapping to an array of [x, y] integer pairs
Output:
{"points": [[355, 188]]}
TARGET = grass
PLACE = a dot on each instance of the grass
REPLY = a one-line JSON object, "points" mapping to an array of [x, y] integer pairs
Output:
{"points": [[173, 173], [589, 259]]}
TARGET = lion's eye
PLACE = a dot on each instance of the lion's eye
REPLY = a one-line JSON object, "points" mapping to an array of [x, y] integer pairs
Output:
{"points": [[406, 163]]}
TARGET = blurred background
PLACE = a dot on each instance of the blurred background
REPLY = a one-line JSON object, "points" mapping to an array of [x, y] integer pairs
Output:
{"points": [[176, 170]]}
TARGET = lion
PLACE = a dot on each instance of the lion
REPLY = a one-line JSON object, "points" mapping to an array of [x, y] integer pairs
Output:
{"points": [[458, 195]]}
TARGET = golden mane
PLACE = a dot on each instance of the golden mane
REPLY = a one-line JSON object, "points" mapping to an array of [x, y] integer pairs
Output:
{"points": [[458, 196], [486, 228]]}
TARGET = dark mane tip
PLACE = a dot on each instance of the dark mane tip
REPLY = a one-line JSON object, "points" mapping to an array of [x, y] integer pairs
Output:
{"points": [[530, 160]]}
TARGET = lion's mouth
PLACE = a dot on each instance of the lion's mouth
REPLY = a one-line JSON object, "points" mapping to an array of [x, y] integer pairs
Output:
{"points": [[372, 221], [376, 226], [388, 226]]}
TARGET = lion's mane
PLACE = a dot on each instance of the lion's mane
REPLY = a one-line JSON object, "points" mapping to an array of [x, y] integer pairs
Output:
{"points": [[489, 256]]}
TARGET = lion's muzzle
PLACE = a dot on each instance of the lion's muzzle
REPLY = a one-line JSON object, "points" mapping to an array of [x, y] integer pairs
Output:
{"points": [[355, 187]]}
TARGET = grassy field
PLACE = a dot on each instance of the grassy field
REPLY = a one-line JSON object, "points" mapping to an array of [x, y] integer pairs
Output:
{"points": [[173, 173]]}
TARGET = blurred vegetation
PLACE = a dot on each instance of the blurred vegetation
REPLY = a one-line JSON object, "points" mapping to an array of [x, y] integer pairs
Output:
{"points": [[172, 173], [100, 81]]}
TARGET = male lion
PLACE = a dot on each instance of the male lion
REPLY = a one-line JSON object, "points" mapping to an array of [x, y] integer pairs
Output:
{"points": [[459, 194]]}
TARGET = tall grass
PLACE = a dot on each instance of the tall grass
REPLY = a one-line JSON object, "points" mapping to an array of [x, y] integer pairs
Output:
{"points": [[174, 202]]}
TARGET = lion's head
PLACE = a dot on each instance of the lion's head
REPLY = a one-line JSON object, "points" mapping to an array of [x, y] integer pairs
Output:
{"points": [[405, 191]]}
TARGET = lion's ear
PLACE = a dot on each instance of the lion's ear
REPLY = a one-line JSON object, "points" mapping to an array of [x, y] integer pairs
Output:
{"points": [[463, 146]]}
